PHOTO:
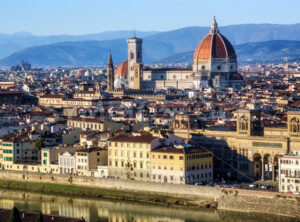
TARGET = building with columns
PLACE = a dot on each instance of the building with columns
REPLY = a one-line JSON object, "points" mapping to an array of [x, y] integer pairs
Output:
{"points": [[250, 152], [214, 65]]}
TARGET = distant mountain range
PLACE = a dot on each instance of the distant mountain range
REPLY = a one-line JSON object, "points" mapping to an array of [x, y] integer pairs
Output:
{"points": [[252, 42], [10, 43], [276, 50]]}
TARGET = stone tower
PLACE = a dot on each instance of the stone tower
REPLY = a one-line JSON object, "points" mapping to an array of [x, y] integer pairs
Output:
{"points": [[110, 74], [138, 75], [134, 57], [248, 122]]}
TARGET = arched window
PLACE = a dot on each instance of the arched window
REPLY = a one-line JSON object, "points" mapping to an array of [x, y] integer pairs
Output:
{"points": [[243, 123], [294, 125]]}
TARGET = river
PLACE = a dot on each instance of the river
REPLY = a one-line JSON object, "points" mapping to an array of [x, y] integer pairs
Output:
{"points": [[95, 210]]}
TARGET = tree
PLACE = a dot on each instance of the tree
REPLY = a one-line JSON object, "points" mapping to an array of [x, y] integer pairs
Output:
{"points": [[39, 218], [14, 215], [39, 144]]}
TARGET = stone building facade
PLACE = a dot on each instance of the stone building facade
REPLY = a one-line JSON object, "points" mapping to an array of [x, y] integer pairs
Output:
{"points": [[250, 152]]}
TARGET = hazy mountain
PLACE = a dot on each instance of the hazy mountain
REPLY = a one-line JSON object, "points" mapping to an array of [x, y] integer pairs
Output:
{"points": [[186, 39], [83, 53], [10, 43], [156, 46], [250, 52]]}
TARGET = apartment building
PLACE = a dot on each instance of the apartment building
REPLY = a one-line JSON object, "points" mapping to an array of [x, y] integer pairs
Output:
{"points": [[129, 156], [181, 164], [289, 172]]}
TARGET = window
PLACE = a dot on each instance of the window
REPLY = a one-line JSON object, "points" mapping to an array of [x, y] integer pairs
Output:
{"points": [[141, 165], [44, 161], [171, 157], [165, 156], [181, 158]]}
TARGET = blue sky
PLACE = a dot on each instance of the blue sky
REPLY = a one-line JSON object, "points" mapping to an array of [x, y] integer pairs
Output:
{"points": [[44, 17]]}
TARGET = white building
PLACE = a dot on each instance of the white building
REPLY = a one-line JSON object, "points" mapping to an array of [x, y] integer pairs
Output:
{"points": [[66, 163], [289, 172]]}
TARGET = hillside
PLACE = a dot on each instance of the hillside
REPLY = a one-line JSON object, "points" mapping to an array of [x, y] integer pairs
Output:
{"points": [[85, 53], [268, 51], [10, 43], [162, 46]]}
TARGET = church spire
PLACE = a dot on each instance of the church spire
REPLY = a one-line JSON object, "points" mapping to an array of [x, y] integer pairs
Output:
{"points": [[110, 62], [110, 74], [214, 26]]}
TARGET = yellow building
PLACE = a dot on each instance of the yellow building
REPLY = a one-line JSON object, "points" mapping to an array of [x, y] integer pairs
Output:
{"points": [[14, 150], [93, 124], [181, 164], [129, 156], [59, 101]]}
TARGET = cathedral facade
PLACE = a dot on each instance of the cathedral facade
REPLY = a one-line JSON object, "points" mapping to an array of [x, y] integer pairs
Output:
{"points": [[214, 65]]}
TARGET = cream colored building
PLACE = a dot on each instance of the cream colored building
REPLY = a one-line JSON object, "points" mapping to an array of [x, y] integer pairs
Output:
{"points": [[58, 101], [93, 124], [129, 156]]}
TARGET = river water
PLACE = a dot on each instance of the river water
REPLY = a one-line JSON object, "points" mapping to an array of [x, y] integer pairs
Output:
{"points": [[95, 210]]}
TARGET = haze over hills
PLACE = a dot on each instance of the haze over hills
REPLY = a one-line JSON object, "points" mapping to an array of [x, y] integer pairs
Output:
{"points": [[10, 43], [79, 50], [274, 50]]}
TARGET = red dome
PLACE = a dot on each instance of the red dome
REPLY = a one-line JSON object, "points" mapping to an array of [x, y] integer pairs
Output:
{"points": [[214, 45], [122, 68]]}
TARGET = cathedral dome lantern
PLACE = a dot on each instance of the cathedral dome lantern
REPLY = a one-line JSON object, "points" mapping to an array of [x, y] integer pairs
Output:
{"points": [[214, 52]]}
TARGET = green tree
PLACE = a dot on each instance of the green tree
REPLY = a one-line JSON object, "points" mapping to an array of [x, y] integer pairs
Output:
{"points": [[39, 218], [39, 144], [14, 215]]}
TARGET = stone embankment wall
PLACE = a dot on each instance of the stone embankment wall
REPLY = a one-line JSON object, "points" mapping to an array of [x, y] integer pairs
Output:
{"points": [[227, 199]]}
